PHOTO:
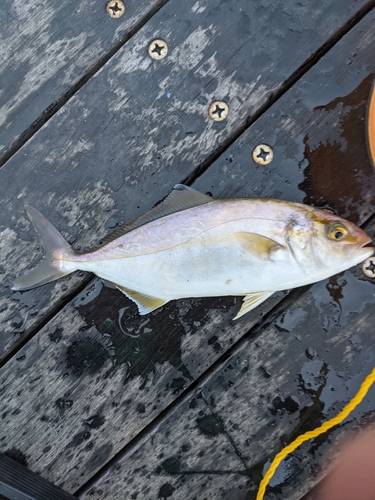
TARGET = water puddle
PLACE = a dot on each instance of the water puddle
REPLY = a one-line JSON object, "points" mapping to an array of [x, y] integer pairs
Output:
{"points": [[126, 339], [348, 294], [339, 174]]}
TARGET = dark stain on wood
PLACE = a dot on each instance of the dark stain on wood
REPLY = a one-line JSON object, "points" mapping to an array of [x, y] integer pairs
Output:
{"points": [[338, 164], [86, 355], [137, 350]]}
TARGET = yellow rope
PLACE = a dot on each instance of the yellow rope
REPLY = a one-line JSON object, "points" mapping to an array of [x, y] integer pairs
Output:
{"points": [[366, 384]]}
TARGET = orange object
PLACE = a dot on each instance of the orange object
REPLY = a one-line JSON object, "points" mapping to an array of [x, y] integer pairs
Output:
{"points": [[371, 126]]}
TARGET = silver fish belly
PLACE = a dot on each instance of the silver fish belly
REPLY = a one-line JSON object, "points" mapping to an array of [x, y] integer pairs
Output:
{"points": [[193, 246]]}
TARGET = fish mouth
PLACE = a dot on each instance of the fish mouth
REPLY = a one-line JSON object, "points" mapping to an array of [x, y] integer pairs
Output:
{"points": [[367, 244], [366, 241], [365, 250], [360, 250]]}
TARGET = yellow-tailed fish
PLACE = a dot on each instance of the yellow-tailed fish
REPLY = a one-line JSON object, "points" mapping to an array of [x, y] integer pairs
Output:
{"points": [[193, 246]]}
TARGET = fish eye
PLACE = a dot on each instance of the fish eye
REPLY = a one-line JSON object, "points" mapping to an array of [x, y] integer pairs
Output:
{"points": [[337, 232]]}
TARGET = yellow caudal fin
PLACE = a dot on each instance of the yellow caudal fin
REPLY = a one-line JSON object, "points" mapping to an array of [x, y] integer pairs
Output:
{"points": [[51, 240]]}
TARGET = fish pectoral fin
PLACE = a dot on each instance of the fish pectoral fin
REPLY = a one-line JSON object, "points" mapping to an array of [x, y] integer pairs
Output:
{"points": [[145, 303], [251, 301], [259, 246]]}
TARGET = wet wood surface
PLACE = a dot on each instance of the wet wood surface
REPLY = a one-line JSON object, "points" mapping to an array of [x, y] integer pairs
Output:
{"points": [[139, 126], [309, 356], [185, 401], [50, 49], [282, 379]]}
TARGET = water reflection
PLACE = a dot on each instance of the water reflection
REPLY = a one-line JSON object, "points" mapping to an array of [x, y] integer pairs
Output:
{"points": [[339, 172]]}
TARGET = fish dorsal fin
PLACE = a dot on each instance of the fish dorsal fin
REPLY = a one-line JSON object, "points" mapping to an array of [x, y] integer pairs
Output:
{"points": [[181, 198], [251, 301], [145, 303], [260, 246]]}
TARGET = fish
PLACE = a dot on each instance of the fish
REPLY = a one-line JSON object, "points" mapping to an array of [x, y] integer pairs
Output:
{"points": [[191, 245]]}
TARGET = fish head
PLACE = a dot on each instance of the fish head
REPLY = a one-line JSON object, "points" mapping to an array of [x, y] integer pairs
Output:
{"points": [[338, 244]]}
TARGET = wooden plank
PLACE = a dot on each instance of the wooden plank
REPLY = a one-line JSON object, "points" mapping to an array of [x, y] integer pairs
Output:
{"points": [[308, 359], [288, 378], [139, 126], [47, 48], [88, 382], [116, 369]]}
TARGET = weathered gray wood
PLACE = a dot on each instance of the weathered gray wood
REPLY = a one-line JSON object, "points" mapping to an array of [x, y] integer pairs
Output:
{"points": [[139, 126], [116, 369], [300, 370], [85, 387], [46, 48]]}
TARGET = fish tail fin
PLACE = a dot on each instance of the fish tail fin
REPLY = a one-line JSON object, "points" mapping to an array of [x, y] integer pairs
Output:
{"points": [[57, 250]]}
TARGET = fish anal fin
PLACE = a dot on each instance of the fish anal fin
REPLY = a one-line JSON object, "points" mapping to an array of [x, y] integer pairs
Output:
{"points": [[251, 301], [146, 303], [181, 198], [259, 246]]}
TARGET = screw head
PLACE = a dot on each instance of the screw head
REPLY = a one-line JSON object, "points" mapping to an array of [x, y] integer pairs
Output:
{"points": [[262, 154], [115, 8], [158, 49], [218, 111], [368, 267]]}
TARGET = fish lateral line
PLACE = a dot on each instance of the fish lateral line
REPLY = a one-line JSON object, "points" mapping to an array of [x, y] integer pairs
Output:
{"points": [[236, 236]]}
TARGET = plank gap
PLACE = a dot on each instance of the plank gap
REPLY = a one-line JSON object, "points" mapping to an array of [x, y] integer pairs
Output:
{"points": [[289, 82], [46, 319], [54, 107], [152, 427]]}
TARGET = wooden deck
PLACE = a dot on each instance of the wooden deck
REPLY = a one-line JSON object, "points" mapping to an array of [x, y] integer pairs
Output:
{"points": [[183, 403]]}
